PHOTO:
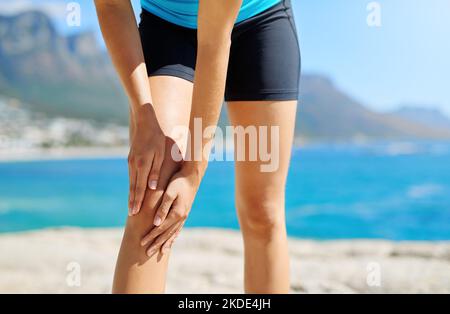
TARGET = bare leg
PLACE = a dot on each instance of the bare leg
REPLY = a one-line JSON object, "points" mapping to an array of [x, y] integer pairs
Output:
{"points": [[135, 272], [260, 198]]}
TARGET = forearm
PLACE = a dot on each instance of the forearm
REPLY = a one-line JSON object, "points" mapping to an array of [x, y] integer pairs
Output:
{"points": [[207, 99], [121, 35], [215, 24]]}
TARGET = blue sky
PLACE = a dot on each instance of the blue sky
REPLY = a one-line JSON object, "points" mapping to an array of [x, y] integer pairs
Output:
{"points": [[405, 60]]}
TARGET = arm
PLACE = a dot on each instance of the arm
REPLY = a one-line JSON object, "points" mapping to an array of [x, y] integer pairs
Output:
{"points": [[216, 20], [119, 29], [120, 32], [215, 23]]}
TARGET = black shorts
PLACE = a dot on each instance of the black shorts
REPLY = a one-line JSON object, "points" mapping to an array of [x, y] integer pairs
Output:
{"points": [[264, 59]]}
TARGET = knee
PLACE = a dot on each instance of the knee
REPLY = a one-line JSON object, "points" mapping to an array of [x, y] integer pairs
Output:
{"points": [[139, 225], [261, 216]]}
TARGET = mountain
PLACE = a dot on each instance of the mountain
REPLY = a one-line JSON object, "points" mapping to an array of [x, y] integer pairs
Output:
{"points": [[60, 76], [428, 117], [71, 76], [326, 112]]}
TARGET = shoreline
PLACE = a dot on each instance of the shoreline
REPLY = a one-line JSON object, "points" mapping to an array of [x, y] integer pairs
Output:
{"points": [[208, 260], [393, 148], [64, 153], [64, 228]]}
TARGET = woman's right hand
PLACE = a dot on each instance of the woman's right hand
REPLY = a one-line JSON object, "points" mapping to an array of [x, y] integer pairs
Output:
{"points": [[146, 155]]}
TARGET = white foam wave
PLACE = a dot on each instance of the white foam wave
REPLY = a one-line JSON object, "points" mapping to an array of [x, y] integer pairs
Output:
{"points": [[424, 190]]}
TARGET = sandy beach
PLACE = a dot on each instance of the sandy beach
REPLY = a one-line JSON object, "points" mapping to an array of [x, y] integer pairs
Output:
{"points": [[210, 261]]}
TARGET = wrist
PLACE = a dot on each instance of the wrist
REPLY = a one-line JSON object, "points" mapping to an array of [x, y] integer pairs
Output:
{"points": [[143, 116], [194, 169]]}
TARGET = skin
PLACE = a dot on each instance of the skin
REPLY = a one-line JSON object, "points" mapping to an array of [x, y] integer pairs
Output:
{"points": [[147, 149], [157, 105], [135, 271], [260, 198], [215, 24]]}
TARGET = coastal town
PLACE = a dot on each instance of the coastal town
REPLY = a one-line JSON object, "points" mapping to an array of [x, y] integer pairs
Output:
{"points": [[23, 131]]}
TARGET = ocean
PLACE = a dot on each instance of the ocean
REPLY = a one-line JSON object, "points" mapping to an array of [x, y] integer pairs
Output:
{"points": [[396, 191]]}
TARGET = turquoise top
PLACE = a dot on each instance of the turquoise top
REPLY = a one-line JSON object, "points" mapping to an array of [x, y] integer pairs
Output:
{"points": [[184, 12]]}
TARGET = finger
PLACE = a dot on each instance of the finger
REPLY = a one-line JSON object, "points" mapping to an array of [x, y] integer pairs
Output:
{"points": [[141, 184], [156, 231], [167, 202], [168, 244], [162, 238], [132, 177], [154, 172]]}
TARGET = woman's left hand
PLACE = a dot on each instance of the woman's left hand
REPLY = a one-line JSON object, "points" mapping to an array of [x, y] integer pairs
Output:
{"points": [[172, 213]]}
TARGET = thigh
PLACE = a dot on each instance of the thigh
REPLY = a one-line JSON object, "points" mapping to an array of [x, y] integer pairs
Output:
{"points": [[252, 178]]}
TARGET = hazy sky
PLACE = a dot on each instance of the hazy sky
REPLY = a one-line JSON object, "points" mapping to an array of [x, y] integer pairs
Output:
{"points": [[405, 60]]}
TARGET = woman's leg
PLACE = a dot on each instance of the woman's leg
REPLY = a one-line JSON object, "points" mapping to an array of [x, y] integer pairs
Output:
{"points": [[135, 272], [260, 196]]}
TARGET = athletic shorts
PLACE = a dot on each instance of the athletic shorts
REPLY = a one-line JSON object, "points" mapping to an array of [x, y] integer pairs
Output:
{"points": [[264, 59]]}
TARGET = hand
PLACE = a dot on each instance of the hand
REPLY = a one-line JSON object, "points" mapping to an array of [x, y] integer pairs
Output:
{"points": [[146, 155], [172, 213]]}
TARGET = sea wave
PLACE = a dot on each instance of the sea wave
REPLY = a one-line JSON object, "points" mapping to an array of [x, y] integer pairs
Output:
{"points": [[424, 190], [9, 205], [406, 148], [382, 148]]}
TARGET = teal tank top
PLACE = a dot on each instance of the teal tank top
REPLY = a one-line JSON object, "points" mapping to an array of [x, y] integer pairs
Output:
{"points": [[184, 12]]}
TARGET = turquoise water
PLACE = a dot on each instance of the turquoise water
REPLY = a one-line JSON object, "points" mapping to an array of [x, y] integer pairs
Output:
{"points": [[378, 191]]}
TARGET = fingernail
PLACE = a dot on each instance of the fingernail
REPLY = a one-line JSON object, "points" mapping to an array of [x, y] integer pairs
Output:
{"points": [[135, 210], [144, 242], [150, 252], [152, 184], [157, 221]]}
